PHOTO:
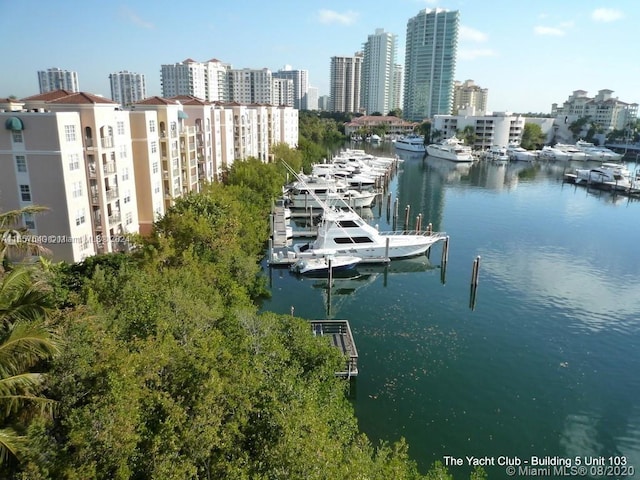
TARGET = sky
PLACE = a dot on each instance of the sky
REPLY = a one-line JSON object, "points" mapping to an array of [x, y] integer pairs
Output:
{"points": [[528, 54]]}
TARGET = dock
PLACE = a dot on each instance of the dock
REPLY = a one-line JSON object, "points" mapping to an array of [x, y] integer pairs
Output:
{"points": [[633, 191], [339, 333]]}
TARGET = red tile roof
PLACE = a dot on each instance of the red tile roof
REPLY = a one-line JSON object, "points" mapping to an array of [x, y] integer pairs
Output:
{"points": [[48, 96], [83, 98], [157, 101]]}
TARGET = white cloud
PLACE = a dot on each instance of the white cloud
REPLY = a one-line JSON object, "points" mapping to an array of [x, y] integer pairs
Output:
{"points": [[330, 16], [606, 15], [468, 33], [133, 17], [549, 31], [473, 53]]}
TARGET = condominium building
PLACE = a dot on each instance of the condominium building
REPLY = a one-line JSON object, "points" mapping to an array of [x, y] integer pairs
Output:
{"points": [[345, 81], [499, 128], [57, 79], [398, 87], [70, 152], [312, 98], [300, 79], [206, 80], [469, 95], [250, 86], [378, 63], [430, 60], [127, 87], [603, 109], [282, 93]]}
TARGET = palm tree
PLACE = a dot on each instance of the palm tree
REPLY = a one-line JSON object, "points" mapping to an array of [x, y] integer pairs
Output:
{"points": [[25, 342], [15, 238]]}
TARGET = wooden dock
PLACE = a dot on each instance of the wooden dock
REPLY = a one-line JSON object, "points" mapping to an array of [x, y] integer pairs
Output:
{"points": [[339, 332]]}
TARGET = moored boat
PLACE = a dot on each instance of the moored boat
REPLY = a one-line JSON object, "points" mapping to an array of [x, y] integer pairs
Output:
{"points": [[411, 143], [320, 265], [614, 176], [451, 149]]}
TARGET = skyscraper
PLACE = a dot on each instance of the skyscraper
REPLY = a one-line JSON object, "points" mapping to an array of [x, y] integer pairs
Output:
{"points": [[205, 80], [127, 87], [300, 80], [57, 79], [430, 61], [379, 57], [469, 95], [346, 74]]}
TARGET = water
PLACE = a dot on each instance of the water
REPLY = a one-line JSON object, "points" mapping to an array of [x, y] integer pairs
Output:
{"points": [[547, 361]]}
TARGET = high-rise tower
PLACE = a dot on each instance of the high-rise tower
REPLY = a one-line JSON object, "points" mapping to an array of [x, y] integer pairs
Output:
{"points": [[345, 79], [430, 61], [378, 79]]}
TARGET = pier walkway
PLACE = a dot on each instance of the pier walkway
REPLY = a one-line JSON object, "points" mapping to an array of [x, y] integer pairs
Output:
{"points": [[339, 333]]}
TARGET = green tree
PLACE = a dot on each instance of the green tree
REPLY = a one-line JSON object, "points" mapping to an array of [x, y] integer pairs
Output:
{"points": [[25, 342], [532, 136], [468, 134]]}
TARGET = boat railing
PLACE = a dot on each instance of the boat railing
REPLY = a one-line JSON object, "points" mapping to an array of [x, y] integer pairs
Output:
{"points": [[424, 233]]}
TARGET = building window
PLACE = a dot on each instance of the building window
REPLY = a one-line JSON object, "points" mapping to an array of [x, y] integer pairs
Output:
{"points": [[123, 151], [21, 163], [120, 128], [17, 136], [25, 193], [70, 133], [128, 218], [152, 125], [80, 217], [125, 174], [29, 221], [154, 147], [127, 196], [155, 167], [156, 188], [77, 189], [74, 161]]}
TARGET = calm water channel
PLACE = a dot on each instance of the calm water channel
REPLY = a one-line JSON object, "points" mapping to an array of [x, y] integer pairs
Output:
{"points": [[546, 364]]}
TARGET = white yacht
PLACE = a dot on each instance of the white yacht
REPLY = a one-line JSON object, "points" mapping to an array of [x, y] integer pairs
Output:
{"points": [[597, 153], [574, 152], [344, 232], [314, 191], [451, 149], [412, 143], [516, 152], [320, 265], [610, 175], [551, 153], [497, 153]]}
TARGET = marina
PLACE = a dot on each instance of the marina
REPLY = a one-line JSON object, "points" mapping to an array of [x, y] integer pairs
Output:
{"points": [[533, 354]]}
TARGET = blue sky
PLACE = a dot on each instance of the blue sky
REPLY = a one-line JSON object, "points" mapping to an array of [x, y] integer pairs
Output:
{"points": [[529, 54]]}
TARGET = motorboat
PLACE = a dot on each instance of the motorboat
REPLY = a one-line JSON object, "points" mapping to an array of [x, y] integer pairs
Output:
{"points": [[574, 152], [412, 143], [520, 154], [608, 175], [344, 232], [594, 152], [554, 154], [497, 153], [322, 264], [355, 179], [451, 149], [317, 191]]}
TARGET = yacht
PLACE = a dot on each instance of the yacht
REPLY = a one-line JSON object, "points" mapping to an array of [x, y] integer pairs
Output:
{"points": [[497, 154], [574, 152], [315, 191], [551, 153], [451, 149], [344, 232], [610, 175], [597, 153], [516, 152], [412, 143]]}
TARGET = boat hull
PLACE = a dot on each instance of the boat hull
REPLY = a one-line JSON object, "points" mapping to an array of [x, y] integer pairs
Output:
{"points": [[433, 151]]}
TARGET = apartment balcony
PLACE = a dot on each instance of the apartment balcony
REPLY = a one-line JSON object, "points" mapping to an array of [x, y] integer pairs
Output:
{"points": [[165, 175], [194, 179], [112, 193], [177, 192], [176, 172], [109, 168], [97, 223], [92, 170], [174, 152], [89, 142], [95, 198], [114, 218], [107, 142]]}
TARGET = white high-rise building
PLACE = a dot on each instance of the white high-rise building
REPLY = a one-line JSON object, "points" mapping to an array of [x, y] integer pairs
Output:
{"points": [[398, 87], [127, 87], [430, 61], [379, 59], [250, 86], [205, 80], [282, 92], [312, 98], [300, 79], [57, 79], [345, 81]]}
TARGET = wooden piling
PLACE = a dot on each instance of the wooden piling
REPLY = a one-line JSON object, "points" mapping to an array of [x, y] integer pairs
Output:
{"points": [[419, 222], [445, 250], [406, 217]]}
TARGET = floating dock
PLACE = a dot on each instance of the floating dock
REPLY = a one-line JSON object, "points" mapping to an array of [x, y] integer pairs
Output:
{"points": [[339, 332]]}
